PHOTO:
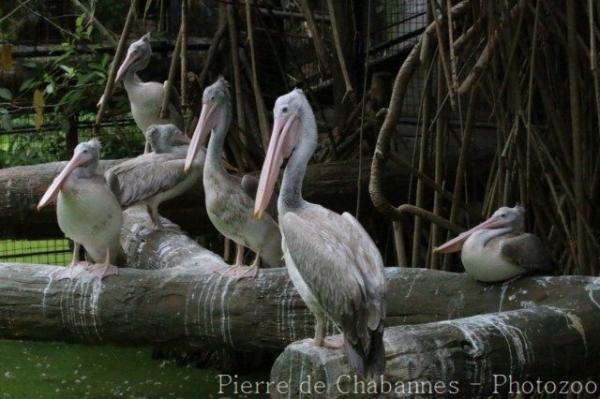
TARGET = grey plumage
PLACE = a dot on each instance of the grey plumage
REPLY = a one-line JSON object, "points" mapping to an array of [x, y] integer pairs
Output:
{"points": [[157, 176], [527, 251], [345, 274]]}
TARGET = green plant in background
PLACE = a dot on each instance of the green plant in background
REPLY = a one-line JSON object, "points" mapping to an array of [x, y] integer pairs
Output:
{"points": [[61, 91]]}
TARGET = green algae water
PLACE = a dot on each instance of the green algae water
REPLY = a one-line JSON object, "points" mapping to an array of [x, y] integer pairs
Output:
{"points": [[60, 370]]}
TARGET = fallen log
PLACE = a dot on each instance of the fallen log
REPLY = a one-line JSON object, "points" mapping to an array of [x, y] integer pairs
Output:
{"points": [[181, 298], [21, 188], [498, 353]]}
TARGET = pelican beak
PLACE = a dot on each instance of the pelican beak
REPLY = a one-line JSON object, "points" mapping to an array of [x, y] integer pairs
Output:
{"points": [[206, 123], [286, 131], [59, 181], [457, 243], [129, 59]]}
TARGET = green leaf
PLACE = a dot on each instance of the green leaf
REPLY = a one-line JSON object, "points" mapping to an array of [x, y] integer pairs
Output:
{"points": [[5, 94], [5, 121], [28, 84]]}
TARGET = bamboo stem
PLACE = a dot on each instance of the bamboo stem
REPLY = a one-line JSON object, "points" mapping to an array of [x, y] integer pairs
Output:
{"points": [[340, 54], [110, 81], [576, 126], [260, 105], [164, 108]]}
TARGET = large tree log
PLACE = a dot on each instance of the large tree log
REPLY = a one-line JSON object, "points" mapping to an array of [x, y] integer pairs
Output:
{"points": [[183, 299], [470, 357], [21, 188]]}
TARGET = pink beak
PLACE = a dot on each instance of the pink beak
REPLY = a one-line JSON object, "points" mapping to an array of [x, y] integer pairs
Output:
{"points": [[203, 128], [286, 131], [457, 243], [59, 181], [130, 59]]}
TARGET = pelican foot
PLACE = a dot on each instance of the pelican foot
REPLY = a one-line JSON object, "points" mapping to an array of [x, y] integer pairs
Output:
{"points": [[335, 342], [72, 271], [240, 271], [101, 270]]}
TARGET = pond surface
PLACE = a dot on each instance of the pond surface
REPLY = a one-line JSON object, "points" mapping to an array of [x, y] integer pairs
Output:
{"points": [[59, 370]]}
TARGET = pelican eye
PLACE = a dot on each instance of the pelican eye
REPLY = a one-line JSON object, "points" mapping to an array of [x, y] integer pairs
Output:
{"points": [[284, 110]]}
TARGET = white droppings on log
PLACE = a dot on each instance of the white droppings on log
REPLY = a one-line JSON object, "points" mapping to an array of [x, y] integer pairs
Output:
{"points": [[574, 322], [203, 305], [591, 288], [473, 328], [47, 289], [225, 321], [502, 294], [213, 299], [410, 288]]}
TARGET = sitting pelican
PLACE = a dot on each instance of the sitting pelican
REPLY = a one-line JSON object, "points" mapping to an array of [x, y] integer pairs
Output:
{"points": [[498, 249], [332, 261], [157, 176], [229, 199], [145, 97], [87, 211], [229, 203]]}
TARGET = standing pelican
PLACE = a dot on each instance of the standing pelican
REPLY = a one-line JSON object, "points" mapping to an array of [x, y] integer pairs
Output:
{"points": [[87, 211], [498, 249], [157, 176], [145, 98], [332, 261], [229, 203]]}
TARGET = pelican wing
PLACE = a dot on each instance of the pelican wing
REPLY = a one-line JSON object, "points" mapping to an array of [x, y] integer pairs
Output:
{"points": [[527, 251], [143, 177], [341, 265]]}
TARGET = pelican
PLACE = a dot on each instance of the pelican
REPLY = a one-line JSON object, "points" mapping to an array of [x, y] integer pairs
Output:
{"points": [[229, 203], [145, 97], [157, 176], [498, 249], [331, 260], [87, 211]]}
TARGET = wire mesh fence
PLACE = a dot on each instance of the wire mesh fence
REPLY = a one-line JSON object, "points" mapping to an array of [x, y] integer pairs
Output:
{"points": [[25, 140]]}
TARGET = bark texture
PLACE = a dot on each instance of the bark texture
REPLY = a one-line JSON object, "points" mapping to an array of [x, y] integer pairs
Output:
{"points": [[468, 357], [181, 297], [22, 187]]}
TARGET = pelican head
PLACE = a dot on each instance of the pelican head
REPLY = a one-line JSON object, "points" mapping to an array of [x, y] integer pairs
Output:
{"points": [[510, 219], [84, 160], [294, 123], [137, 58], [215, 99], [163, 137]]}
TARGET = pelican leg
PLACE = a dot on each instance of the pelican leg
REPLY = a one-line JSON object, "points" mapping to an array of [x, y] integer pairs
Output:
{"points": [[146, 147], [319, 329], [75, 268], [102, 270], [256, 262], [156, 222], [239, 254], [238, 269]]}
